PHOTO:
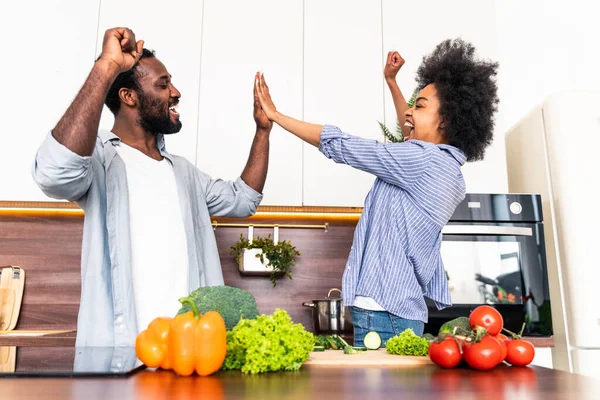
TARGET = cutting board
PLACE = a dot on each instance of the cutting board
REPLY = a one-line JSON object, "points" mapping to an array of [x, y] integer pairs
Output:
{"points": [[12, 281], [8, 357], [371, 357]]}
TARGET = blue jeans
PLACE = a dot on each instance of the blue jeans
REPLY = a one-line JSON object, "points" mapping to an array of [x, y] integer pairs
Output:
{"points": [[382, 322]]}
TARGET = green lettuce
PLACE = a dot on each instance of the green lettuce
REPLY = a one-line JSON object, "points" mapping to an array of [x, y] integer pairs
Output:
{"points": [[408, 344], [268, 343]]}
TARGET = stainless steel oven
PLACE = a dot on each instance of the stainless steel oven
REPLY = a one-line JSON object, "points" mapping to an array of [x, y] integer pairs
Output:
{"points": [[493, 251]]}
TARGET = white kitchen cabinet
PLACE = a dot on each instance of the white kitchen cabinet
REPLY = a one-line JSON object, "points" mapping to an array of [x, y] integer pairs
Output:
{"points": [[405, 31], [343, 86], [545, 156], [47, 52], [177, 42], [543, 357], [585, 362], [240, 38]]}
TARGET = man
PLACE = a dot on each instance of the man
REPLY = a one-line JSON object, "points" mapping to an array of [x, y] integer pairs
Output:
{"points": [[147, 237]]}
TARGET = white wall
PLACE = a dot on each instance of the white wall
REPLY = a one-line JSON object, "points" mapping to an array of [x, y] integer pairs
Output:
{"points": [[542, 47], [41, 73], [234, 47], [414, 28], [181, 57]]}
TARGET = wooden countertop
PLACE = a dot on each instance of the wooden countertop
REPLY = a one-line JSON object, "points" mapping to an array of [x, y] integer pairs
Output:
{"points": [[423, 382], [68, 339]]}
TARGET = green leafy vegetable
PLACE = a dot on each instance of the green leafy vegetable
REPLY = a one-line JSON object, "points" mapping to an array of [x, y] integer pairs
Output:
{"points": [[458, 326], [268, 343], [281, 255], [429, 337], [407, 344], [232, 303]]}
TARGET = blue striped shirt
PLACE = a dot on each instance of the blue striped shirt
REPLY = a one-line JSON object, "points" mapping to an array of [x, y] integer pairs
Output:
{"points": [[395, 257]]}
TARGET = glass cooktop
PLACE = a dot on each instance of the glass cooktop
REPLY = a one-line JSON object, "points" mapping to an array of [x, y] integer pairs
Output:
{"points": [[68, 361]]}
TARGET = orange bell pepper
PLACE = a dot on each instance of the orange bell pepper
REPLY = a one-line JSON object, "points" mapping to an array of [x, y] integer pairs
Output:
{"points": [[151, 344], [191, 343]]}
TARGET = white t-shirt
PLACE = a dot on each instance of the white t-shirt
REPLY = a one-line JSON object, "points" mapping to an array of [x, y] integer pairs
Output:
{"points": [[159, 253], [367, 303]]}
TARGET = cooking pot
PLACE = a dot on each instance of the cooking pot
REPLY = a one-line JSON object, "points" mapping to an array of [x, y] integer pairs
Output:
{"points": [[329, 315]]}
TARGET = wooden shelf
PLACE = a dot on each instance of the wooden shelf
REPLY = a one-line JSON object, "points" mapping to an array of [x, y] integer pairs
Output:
{"points": [[54, 340]]}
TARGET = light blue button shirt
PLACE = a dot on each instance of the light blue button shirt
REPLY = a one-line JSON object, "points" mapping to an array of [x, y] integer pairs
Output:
{"points": [[98, 184], [395, 257]]}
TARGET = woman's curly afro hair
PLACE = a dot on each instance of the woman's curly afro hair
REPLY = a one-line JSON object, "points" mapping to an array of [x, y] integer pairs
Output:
{"points": [[467, 92]]}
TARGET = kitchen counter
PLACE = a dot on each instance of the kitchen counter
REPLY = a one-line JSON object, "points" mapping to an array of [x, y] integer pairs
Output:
{"points": [[68, 339], [312, 381], [424, 382]]}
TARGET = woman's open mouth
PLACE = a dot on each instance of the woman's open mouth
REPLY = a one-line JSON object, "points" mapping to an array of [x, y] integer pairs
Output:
{"points": [[412, 130]]}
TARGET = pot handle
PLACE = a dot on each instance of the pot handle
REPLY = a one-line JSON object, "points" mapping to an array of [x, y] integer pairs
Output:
{"points": [[309, 304], [334, 289]]}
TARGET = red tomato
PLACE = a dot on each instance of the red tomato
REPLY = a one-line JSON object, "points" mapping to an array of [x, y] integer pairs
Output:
{"points": [[502, 337], [502, 346], [483, 355], [487, 317], [519, 352], [446, 353]]}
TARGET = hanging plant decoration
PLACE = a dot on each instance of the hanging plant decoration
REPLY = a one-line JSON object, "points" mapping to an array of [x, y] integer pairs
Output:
{"points": [[277, 258]]}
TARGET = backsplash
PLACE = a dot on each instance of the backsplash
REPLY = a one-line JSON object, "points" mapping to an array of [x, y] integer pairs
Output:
{"points": [[48, 248]]}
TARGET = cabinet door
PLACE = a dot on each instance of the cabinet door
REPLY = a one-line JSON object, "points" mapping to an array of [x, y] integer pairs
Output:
{"points": [[343, 86], [47, 53], [174, 31], [239, 39], [408, 34]]}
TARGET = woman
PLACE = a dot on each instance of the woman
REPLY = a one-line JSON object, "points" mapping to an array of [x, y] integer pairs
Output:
{"points": [[395, 261]]}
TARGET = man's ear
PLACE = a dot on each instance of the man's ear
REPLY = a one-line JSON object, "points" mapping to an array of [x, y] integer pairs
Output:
{"points": [[128, 97]]}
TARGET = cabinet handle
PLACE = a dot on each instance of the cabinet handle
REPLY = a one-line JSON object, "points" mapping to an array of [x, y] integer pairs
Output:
{"points": [[486, 230]]}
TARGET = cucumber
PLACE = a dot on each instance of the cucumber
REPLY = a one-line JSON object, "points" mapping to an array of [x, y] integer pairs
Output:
{"points": [[322, 341], [372, 340], [341, 342], [333, 343], [319, 348], [360, 348]]}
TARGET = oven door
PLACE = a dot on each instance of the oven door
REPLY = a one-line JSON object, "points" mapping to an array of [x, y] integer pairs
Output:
{"points": [[500, 264]]}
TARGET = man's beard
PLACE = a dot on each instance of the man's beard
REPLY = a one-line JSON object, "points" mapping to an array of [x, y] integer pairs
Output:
{"points": [[152, 117]]}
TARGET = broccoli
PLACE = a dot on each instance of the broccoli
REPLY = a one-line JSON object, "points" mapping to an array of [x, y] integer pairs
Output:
{"points": [[429, 337], [232, 303], [461, 324]]}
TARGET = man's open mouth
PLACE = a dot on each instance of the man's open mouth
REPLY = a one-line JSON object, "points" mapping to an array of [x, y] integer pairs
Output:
{"points": [[174, 110]]}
